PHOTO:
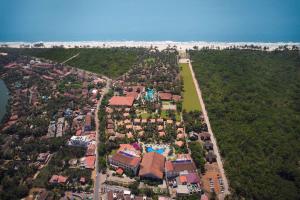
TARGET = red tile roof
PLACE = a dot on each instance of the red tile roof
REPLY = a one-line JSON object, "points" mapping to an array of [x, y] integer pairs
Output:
{"points": [[121, 101], [176, 98], [90, 162], [165, 96], [182, 179], [152, 165], [58, 179], [132, 94], [180, 166], [127, 160], [169, 166], [120, 171]]}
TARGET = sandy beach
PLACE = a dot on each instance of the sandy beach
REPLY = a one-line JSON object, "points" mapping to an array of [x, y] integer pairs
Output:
{"points": [[147, 44]]}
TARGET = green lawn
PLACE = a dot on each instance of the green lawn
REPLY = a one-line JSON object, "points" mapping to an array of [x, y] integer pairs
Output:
{"points": [[164, 114], [190, 97]]}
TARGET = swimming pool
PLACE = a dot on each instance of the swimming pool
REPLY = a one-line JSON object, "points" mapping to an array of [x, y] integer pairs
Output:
{"points": [[159, 151], [149, 94]]}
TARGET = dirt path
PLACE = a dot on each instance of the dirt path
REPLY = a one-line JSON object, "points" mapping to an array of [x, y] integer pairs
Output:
{"points": [[213, 140], [70, 58]]}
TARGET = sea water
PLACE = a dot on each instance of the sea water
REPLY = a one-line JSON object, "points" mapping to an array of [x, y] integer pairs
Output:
{"points": [[155, 20]]}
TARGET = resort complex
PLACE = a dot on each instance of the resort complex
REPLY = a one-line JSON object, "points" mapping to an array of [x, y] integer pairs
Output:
{"points": [[73, 134]]}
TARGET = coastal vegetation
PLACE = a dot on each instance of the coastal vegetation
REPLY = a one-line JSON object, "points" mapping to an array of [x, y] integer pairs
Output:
{"points": [[252, 98], [111, 62], [190, 97]]}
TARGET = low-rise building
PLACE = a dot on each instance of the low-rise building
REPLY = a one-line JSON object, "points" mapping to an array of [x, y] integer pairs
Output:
{"points": [[183, 163], [43, 157], [88, 122], [121, 101], [60, 126], [58, 179], [152, 166], [83, 141], [125, 161]]}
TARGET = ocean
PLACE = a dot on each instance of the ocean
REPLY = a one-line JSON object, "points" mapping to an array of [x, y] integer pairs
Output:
{"points": [[155, 20]]}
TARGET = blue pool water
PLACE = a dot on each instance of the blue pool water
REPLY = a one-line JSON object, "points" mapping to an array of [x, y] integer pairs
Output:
{"points": [[160, 151], [149, 94]]}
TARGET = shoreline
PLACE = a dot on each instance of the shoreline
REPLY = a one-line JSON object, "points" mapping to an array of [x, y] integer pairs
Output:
{"points": [[148, 44]]}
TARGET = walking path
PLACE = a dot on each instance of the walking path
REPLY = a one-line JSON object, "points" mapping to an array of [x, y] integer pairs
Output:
{"points": [[70, 58], [213, 140], [98, 174]]}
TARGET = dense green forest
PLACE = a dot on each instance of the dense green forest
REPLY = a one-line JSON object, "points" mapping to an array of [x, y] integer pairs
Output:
{"points": [[111, 62], [253, 101]]}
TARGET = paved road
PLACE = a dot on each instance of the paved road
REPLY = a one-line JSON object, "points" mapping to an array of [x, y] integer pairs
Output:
{"points": [[97, 181], [213, 140]]}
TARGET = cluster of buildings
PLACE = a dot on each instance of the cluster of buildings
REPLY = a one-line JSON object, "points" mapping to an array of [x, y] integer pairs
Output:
{"points": [[63, 101], [180, 173], [130, 122], [156, 161]]}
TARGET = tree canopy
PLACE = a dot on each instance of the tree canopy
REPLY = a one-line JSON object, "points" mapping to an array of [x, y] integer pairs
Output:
{"points": [[252, 98]]}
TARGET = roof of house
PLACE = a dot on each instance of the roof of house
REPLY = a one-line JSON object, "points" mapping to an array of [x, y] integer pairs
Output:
{"points": [[183, 157], [82, 180], [58, 179], [165, 96], [127, 147], [129, 135], [161, 133], [208, 145], [90, 162], [210, 156], [90, 150], [132, 94], [180, 130], [176, 97], [204, 197], [160, 120], [192, 178], [182, 179], [180, 136], [88, 119], [121, 101], [182, 189], [120, 171], [126, 159], [205, 135], [169, 166], [179, 143], [152, 163], [180, 166]]}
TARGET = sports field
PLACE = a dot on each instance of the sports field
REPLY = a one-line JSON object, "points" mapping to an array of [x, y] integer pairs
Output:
{"points": [[190, 98]]}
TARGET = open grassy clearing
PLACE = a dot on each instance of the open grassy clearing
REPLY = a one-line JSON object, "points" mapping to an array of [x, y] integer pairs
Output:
{"points": [[190, 97]]}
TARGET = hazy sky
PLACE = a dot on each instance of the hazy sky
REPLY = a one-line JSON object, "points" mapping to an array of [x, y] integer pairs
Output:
{"points": [[209, 20]]}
